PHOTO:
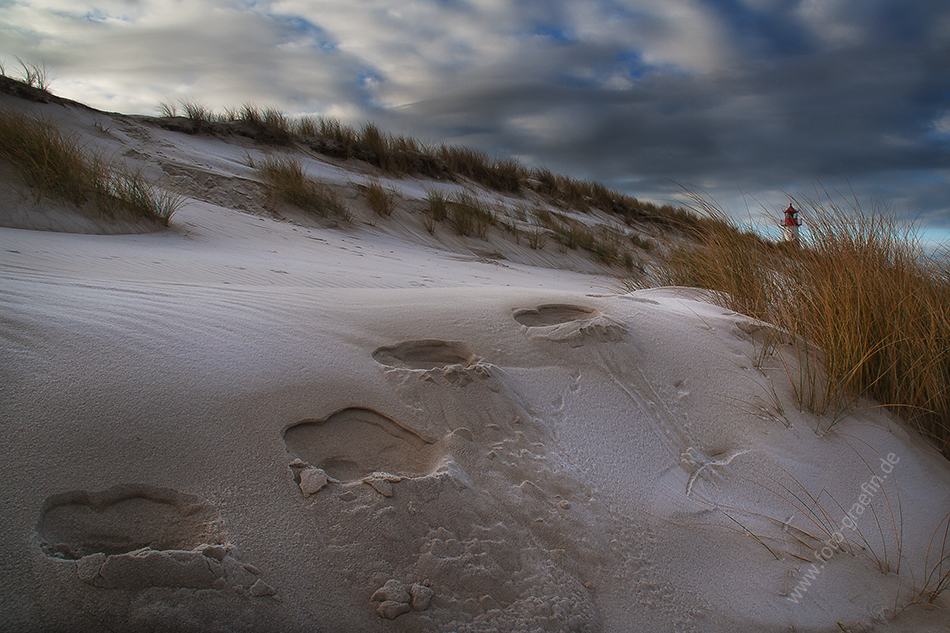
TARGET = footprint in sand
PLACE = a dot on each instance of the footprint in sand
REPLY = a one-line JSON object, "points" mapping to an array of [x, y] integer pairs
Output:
{"points": [[355, 443], [553, 314], [426, 354], [123, 519], [453, 360], [135, 536], [568, 323]]}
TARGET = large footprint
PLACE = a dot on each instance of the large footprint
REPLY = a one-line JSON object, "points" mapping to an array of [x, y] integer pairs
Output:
{"points": [[354, 443], [123, 519], [134, 536]]}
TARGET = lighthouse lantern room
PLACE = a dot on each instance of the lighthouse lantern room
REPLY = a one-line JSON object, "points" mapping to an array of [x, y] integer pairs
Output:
{"points": [[790, 224]]}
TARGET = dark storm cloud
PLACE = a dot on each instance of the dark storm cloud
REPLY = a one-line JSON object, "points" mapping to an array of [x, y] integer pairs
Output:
{"points": [[762, 96]]}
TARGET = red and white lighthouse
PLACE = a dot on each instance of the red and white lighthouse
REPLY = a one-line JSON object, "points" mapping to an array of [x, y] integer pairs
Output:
{"points": [[790, 224]]}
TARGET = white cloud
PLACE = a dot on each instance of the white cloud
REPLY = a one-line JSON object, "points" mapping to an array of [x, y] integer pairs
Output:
{"points": [[835, 22], [941, 125]]}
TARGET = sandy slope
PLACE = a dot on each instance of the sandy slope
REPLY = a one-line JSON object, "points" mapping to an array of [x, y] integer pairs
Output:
{"points": [[509, 446]]}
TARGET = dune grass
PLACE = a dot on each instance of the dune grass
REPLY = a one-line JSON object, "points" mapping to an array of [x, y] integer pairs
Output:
{"points": [[435, 211], [57, 166], [284, 180], [469, 216], [870, 311], [605, 245], [380, 199], [34, 76]]}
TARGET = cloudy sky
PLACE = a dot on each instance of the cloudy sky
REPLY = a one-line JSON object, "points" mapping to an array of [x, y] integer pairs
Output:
{"points": [[753, 96]]}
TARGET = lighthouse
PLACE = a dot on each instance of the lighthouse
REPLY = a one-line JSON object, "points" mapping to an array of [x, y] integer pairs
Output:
{"points": [[791, 224]]}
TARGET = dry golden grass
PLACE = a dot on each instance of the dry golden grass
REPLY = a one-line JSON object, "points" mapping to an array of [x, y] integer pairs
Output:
{"points": [[435, 211], [469, 216], [34, 76], [871, 310], [605, 245], [57, 166], [380, 199], [284, 179]]}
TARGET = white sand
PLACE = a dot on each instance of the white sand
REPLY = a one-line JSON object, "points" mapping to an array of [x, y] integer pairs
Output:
{"points": [[314, 429]]}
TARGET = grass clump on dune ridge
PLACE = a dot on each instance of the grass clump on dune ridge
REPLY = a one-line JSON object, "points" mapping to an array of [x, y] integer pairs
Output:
{"points": [[57, 166], [285, 180], [860, 289]]}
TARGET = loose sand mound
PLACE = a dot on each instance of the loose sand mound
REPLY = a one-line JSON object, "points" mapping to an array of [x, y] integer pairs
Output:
{"points": [[245, 424]]}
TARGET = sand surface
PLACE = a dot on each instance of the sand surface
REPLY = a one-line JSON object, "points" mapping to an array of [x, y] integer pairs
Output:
{"points": [[257, 423]]}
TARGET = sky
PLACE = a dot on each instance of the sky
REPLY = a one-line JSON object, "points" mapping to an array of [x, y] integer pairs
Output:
{"points": [[749, 101]]}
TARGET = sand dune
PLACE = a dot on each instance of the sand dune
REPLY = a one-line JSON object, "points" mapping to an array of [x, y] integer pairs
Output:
{"points": [[254, 423]]}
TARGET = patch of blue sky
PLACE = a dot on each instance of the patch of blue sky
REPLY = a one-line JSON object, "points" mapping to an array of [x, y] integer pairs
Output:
{"points": [[369, 79], [556, 33], [368, 82], [633, 64], [935, 240], [93, 15], [297, 27], [96, 15], [938, 136]]}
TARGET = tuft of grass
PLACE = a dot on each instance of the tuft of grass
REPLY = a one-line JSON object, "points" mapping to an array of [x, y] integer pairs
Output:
{"points": [[380, 200], [436, 210], [196, 111], [537, 238], [641, 242], [505, 175], [57, 166], [267, 125], [868, 312], [603, 245], [32, 75], [167, 109], [469, 216], [284, 179]]}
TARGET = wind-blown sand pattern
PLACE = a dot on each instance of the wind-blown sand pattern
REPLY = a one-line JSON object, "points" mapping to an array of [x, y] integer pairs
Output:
{"points": [[244, 423]]}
